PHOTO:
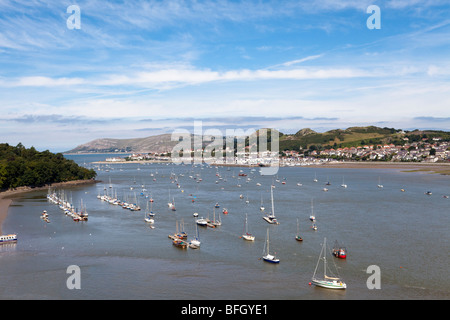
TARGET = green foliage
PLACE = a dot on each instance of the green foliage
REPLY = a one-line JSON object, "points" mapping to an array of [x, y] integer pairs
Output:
{"points": [[356, 136], [28, 167]]}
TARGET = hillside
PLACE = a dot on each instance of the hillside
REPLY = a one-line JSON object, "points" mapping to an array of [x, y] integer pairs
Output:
{"points": [[160, 143], [304, 138], [355, 136], [20, 166]]}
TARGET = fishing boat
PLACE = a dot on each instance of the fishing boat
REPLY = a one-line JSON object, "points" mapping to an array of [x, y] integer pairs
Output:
{"points": [[270, 218], [247, 236], [8, 238], [326, 281], [339, 251], [297, 237], [225, 211], [217, 205], [266, 254]]}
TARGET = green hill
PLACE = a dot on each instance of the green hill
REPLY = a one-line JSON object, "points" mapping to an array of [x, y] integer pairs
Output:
{"points": [[28, 167], [355, 136]]}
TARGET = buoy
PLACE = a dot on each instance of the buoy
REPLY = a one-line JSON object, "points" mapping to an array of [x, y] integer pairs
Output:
{"points": [[309, 283]]}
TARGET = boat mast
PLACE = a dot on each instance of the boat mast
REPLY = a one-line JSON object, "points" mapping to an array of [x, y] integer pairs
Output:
{"points": [[271, 196], [324, 258]]}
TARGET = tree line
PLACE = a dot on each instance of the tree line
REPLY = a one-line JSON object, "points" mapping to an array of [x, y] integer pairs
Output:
{"points": [[20, 166]]}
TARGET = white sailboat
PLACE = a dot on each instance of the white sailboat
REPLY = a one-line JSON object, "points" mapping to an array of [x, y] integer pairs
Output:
{"points": [[195, 243], [312, 216], [326, 281], [343, 185], [148, 216], [266, 255], [379, 183], [270, 218], [247, 236], [262, 206]]}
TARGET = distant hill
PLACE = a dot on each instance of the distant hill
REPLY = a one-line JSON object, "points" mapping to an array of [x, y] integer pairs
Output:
{"points": [[158, 144], [356, 136], [304, 138]]}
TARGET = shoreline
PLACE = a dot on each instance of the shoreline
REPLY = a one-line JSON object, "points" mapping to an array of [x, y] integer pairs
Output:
{"points": [[7, 195], [438, 168]]}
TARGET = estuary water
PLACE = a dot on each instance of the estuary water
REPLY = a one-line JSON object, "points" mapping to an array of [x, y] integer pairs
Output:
{"points": [[405, 234]]}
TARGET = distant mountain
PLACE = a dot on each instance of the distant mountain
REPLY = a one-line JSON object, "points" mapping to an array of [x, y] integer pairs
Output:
{"points": [[160, 143], [304, 138]]}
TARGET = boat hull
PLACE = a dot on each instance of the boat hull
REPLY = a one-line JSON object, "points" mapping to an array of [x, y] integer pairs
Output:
{"points": [[329, 284], [248, 237], [271, 259]]}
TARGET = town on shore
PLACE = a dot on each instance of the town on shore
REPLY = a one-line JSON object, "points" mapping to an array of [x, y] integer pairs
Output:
{"points": [[430, 152]]}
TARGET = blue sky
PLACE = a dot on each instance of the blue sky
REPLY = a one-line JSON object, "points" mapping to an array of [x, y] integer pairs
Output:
{"points": [[139, 68]]}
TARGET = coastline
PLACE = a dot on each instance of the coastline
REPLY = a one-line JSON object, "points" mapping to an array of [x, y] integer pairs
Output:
{"points": [[439, 168], [5, 196]]}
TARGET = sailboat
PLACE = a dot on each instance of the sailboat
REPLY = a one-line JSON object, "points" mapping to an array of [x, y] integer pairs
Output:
{"points": [[312, 217], [343, 185], [148, 215], [270, 218], [379, 183], [297, 237], [262, 206], [326, 281], [315, 177], [215, 222], [247, 236], [195, 243], [266, 255]]}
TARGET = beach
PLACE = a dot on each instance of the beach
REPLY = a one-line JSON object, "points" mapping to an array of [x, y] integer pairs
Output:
{"points": [[5, 196]]}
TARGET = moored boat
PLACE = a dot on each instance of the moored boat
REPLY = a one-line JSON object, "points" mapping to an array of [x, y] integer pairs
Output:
{"points": [[8, 238], [326, 281], [267, 256], [247, 236], [339, 251]]}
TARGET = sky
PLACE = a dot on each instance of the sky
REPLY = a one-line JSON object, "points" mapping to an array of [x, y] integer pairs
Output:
{"points": [[130, 69]]}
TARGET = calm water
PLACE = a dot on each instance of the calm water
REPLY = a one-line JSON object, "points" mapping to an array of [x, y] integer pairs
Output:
{"points": [[404, 233]]}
